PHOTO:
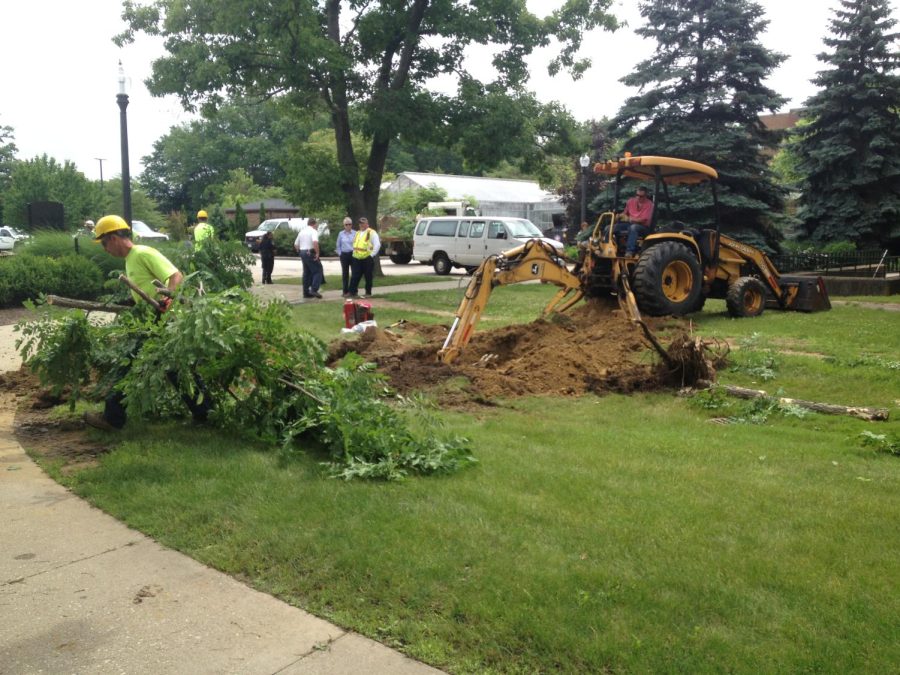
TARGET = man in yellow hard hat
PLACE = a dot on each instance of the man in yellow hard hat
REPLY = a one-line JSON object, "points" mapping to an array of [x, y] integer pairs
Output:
{"points": [[202, 230], [143, 266]]}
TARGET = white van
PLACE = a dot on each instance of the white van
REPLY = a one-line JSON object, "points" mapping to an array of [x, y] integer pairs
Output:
{"points": [[252, 238], [449, 241]]}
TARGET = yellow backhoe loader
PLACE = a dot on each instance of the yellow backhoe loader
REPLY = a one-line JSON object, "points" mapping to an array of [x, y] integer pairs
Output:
{"points": [[677, 267]]}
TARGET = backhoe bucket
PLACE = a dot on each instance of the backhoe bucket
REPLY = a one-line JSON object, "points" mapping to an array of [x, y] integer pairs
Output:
{"points": [[810, 296]]}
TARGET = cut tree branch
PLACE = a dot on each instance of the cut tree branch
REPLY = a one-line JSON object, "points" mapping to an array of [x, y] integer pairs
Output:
{"points": [[862, 412]]}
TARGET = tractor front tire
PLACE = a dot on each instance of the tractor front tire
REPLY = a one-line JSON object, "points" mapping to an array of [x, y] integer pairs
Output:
{"points": [[746, 297], [667, 280]]}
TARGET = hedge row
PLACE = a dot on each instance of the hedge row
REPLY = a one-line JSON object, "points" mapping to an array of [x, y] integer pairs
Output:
{"points": [[25, 277]]}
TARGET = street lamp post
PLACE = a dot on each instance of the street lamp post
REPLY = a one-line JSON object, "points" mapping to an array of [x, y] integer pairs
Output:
{"points": [[101, 160], [122, 100], [584, 160]]}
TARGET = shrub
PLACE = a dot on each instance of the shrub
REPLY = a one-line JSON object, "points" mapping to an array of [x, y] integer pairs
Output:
{"points": [[78, 277], [284, 242], [28, 276]]}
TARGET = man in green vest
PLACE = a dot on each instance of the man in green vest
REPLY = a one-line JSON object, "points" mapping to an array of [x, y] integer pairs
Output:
{"points": [[202, 230]]}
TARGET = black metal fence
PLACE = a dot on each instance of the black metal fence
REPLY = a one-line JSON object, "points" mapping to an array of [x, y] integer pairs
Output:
{"points": [[861, 263]]}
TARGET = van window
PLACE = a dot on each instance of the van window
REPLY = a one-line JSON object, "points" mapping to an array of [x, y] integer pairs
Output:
{"points": [[442, 228], [463, 228], [496, 230], [477, 229], [420, 228]]}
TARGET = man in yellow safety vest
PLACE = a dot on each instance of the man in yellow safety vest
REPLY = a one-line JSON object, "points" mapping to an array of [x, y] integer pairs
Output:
{"points": [[366, 245]]}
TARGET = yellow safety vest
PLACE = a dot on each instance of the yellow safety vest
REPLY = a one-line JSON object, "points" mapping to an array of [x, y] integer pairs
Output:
{"points": [[361, 247]]}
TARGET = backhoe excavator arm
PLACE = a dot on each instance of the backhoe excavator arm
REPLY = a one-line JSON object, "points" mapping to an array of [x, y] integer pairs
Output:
{"points": [[533, 260]]}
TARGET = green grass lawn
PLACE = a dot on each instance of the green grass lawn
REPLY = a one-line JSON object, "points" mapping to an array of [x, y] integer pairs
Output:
{"points": [[613, 534]]}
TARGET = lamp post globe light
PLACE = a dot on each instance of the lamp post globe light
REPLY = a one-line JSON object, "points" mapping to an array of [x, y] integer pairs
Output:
{"points": [[584, 160], [122, 100]]}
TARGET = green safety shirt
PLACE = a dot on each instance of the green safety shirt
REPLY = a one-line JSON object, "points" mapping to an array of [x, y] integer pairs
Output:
{"points": [[202, 231], [143, 264]]}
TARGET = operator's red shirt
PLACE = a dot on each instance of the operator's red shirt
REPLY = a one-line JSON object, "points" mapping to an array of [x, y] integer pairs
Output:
{"points": [[636, 212]]}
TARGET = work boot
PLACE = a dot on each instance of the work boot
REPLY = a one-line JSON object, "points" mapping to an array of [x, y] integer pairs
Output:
{"points": [[97, 421]]}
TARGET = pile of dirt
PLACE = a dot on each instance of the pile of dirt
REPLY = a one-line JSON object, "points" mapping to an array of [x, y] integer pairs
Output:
{"points": [[595, 348]]}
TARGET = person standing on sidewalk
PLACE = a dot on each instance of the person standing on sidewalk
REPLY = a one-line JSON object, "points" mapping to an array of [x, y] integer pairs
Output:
{"points": [[307, 245], [344, 248], [267, 256], [366, 245]]}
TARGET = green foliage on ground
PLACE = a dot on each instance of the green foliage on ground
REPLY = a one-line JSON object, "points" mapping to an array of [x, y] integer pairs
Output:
{"points": [[267, 381]]}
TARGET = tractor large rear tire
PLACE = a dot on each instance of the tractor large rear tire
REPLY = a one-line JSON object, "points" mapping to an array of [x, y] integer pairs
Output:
{"points": [[746, 297], [667, 280]]}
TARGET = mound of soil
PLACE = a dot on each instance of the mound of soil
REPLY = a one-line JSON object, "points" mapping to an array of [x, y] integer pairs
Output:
{"points": [[595, 348]]}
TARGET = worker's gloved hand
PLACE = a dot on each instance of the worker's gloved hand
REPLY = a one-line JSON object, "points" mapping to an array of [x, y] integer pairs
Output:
{"points": [[164, 304]]}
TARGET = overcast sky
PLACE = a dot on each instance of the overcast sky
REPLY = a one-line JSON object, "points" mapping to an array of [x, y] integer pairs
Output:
{"points": [[58, 78]]}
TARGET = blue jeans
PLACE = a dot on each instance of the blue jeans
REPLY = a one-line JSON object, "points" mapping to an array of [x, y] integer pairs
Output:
{"points": [[312, 272], [634, 230]]}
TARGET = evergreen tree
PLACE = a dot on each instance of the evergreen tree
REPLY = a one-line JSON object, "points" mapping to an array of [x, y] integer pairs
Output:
{"points": [[240, 223], [262, 212], [700, 97], [850, 151]]}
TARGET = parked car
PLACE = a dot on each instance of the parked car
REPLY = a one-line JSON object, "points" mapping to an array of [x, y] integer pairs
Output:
{"points": [[17, 235], [449, 241], [253, 237], [7, 242], [142, 231]]}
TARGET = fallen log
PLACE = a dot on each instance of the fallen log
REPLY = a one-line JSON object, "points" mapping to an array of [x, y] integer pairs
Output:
{"points": [[59, 301], [865, 413]]}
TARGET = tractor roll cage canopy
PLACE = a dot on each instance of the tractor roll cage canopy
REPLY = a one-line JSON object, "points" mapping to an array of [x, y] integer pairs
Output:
{"points": [[663, 172], [669, 170]]}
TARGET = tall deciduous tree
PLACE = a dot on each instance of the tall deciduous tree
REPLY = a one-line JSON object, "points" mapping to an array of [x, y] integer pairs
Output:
{"points": [[188, 164], [850, 151], [701, 94], [379, 55], [44, 179]]}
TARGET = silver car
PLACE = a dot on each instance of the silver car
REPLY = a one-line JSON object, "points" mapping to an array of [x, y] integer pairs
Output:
{"points": [[143, 231]]}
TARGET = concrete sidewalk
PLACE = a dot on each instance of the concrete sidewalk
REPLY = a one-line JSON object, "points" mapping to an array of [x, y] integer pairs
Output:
{"points": [[292, 293], [82, 593]]}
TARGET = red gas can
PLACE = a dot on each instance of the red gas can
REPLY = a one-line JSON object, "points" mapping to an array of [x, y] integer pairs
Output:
{"points": [[356, 312]]}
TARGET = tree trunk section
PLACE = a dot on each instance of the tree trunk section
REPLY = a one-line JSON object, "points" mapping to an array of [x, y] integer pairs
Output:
{"points": [[866, 413]]}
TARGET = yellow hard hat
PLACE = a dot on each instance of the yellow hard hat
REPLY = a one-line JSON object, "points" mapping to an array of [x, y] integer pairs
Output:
{"points": [[109, 224], [202, 214]]}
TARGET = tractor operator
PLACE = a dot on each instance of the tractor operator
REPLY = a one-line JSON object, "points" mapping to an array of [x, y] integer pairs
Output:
{"points": [[202, 230], [636, 219]]}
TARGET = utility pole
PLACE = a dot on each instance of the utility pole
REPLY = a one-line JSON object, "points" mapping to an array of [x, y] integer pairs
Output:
{"points": [[101, 160]]}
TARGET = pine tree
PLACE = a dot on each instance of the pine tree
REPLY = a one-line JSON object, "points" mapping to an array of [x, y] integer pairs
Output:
{"points": [[700, 97], [850, 151]]}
